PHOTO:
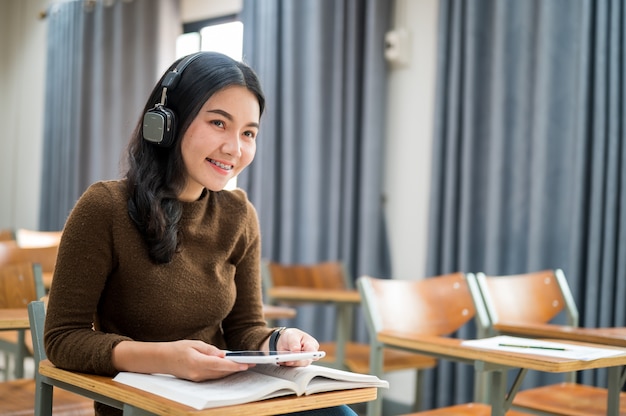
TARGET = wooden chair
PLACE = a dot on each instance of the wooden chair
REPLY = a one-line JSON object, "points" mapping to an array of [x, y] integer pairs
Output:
{"points": [[7, 234], [468, 409], [11, 253], [536, 298], [34, 394], [332, 277], [438, 305], [20, 284], [33, 238]]}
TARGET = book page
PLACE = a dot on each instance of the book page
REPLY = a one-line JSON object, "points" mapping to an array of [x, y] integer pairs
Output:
{"points": [[237, 388], [321, 376]]}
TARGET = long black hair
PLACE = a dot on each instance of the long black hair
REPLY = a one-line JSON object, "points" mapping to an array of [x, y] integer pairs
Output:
{"points": [[156, 175]]}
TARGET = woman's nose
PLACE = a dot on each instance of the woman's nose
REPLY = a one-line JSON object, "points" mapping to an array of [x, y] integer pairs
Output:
{"points": [[232, 145]]}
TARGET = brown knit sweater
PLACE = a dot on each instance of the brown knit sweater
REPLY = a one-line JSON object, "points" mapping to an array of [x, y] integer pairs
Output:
{"points": [[211, 290]]}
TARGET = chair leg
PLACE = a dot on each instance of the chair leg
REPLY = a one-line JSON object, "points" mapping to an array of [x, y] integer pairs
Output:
{"points": [[419, 382], [375, 407], [43, 398], [482, 383], [5, 369], [20, 355]]}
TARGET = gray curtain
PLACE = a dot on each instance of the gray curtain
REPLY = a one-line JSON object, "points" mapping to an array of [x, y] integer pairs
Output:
{"points": [[529, 164], [316, 180], [103, 59]]}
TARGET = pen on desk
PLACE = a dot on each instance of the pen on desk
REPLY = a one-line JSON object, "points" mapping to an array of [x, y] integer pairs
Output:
{"points": [[538, 347]]}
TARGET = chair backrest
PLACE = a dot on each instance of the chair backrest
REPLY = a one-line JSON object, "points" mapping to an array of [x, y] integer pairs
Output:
{"points": [[20, 284], [33, 238], [438, 305], [11, 253], [37, 316], [324, 275], [7, 234], [529, 298]]}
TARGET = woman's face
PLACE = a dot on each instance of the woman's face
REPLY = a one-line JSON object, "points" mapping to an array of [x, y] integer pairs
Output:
{"points": [[221, 141]]}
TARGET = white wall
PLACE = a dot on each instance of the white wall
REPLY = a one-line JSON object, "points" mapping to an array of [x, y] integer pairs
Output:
{"points": [[409, 136], [410, 114]]}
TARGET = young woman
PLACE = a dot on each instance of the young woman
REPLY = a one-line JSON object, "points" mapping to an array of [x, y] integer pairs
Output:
{"points": [[159, 272]]}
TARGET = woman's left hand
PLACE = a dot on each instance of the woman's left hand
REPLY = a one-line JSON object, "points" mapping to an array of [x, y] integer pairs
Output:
{"points": [[295, 340]]}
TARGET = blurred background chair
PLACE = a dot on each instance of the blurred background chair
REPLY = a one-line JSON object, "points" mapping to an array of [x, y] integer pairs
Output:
{"points": [[513, 305], [467, 409], [20, 284], [46, 257], [329, 283], [31, 396], [433, 306], [12, 342], [7, 234]]}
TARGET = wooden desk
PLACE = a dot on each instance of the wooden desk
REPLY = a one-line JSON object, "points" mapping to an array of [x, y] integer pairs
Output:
{"points": [[344, 299], [499, 362], [138, 402], [11, 319], [300, 294], [16, 320], [278, 312], [606, 336]]}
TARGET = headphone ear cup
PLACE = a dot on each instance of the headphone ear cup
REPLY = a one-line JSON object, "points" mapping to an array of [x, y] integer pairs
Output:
{"points": [[159, 126]]}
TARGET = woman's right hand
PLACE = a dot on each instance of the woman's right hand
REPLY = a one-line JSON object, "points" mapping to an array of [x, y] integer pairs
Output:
{"points": [[187, 359]]}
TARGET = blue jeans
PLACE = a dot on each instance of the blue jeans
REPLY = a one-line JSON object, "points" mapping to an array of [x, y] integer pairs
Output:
{"points": [[330, 411]]}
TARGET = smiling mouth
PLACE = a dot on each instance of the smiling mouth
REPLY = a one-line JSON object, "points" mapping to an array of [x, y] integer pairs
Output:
{"points": [[220, 165]]}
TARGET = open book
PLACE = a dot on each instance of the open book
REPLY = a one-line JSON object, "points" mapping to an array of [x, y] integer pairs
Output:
{"points": [[263, 381]]}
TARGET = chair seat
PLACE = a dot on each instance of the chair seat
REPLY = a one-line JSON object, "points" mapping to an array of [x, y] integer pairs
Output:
{"points": [[357, 358], [468, 409], [18, 399], [567, 399]]}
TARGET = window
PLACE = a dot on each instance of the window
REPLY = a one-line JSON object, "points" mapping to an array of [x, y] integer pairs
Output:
{"points": [[218, 36]]}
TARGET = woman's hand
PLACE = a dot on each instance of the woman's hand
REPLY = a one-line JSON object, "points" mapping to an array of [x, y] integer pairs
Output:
{"points": [[295, 340], [187, 359]]}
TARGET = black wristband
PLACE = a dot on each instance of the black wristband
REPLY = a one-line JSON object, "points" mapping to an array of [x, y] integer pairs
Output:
{"points": [[274, 338]]}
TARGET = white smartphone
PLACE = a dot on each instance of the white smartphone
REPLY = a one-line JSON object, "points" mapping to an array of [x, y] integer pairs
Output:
{"points": [[272, 357]]}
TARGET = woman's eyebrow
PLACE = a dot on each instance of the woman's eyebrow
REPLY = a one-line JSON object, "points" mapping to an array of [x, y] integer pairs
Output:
{"points": [[230, 117], [221, 112]]}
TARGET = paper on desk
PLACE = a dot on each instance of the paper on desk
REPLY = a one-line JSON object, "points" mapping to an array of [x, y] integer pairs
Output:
{"points": [[575, 352]]}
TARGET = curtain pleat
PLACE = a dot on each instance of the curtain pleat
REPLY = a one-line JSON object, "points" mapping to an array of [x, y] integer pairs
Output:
{"points": [[102, 63], [62, 99], [316, 180], [528, 156]]}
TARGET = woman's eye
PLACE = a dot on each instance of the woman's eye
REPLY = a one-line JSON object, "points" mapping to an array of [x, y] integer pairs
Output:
{"points": [[218, 123]]}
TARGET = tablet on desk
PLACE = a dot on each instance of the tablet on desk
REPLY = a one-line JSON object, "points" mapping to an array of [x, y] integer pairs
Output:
{"points": [[272, 357]]}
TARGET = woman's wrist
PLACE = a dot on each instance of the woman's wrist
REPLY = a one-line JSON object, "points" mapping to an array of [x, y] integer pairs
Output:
{"points": [[273, 344]]}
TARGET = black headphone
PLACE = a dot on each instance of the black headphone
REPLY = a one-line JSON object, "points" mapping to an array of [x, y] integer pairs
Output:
{"points": [[159, 123]]}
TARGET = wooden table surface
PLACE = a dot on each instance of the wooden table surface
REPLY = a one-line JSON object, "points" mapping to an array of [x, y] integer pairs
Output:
{"points": [[14, 319], [499, 362], [606, 336], [314, 295], [453, 347], [278, 312], [158, 405]]}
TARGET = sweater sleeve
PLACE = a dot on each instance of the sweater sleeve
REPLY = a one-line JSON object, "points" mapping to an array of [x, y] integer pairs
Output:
{"points": [[245, 327], [85, 259]]}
